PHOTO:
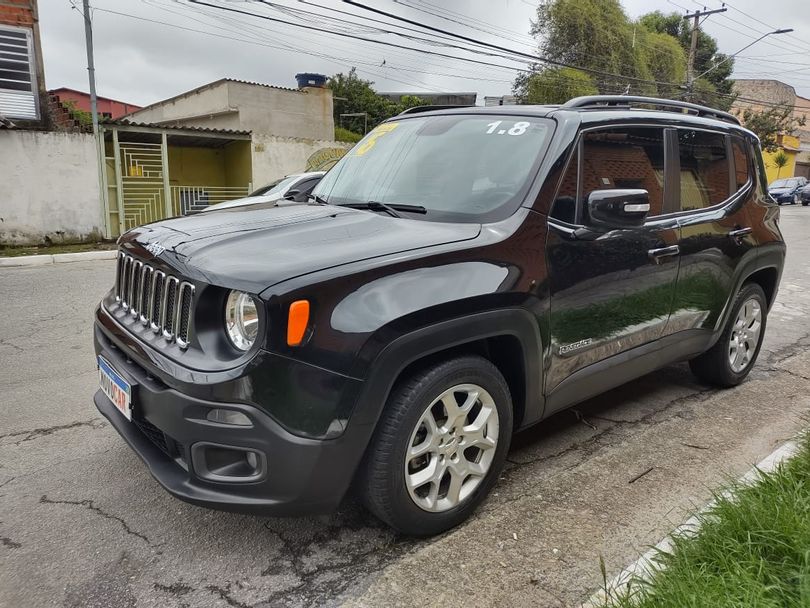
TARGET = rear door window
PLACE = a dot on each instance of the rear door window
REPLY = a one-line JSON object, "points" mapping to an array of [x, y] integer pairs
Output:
{"points": [[704, 169]]}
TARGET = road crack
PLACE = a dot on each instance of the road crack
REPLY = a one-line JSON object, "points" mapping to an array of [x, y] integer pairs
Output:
{"points": [[89, 504], [45, 431]]}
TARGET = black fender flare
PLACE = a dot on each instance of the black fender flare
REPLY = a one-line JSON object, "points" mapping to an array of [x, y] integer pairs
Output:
{"points": [[768, 257], [408, 348]]}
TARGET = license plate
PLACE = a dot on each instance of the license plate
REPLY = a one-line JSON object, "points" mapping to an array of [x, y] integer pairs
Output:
{"points": [[115, 387]]}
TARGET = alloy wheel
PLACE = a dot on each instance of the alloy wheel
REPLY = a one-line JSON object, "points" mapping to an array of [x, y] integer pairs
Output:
{"points": [[745, 335], [452, 448]]}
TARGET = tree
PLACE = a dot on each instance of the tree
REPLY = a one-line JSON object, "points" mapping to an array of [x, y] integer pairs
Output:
{"points": [[769, 123], [715, 88], [599, 37], [353, 95], [780, 161], [557, 85]]}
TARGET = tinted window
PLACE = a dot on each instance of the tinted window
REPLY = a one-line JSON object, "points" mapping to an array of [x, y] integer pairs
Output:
{"points": [[565, 204], [625, 158], [459, 167], [704, 169], [741, 162]]}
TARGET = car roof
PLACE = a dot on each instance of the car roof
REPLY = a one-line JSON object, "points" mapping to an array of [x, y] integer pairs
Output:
{"points": [[607, 108]]}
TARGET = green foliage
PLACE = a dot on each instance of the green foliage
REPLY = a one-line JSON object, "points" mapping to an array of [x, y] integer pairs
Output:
{"points": [[752, 549], [598, 36], [352, 95], [780, 161], [351, 137], [558, 85], [770, 122], [84, 118], [715, 88]]}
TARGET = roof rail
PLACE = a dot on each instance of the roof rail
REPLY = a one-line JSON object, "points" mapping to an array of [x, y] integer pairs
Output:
{"points": [[607, 101], [420, 109]]}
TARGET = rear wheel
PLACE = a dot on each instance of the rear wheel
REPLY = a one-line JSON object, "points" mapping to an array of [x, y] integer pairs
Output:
{"points": [[730, 360], [439, 447]]}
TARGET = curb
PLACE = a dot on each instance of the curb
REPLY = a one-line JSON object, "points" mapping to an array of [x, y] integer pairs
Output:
{"points": [[57, 258], [644, 566]]}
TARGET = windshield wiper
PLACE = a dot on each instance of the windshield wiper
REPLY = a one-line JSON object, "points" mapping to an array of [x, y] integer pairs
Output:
{"points": [[318, 199], [390, 208]]}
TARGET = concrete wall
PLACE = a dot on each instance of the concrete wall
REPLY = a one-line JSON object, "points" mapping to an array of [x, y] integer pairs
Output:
{"points": [[50, 188], [275, 157], [229, 104]]}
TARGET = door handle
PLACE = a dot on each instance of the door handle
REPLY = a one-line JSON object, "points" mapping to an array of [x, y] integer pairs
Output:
{"points": [[657, 255], [740, 233]]}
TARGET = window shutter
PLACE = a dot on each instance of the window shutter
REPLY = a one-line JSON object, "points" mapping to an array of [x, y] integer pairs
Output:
{"points": [[18, 87]]}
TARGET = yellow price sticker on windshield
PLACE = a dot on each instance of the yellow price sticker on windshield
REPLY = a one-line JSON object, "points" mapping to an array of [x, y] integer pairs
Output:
{"points": [[375, 134]]}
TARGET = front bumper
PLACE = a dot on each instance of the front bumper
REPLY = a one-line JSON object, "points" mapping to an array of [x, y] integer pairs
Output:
{"points": [[301, 475], [784, 199]]}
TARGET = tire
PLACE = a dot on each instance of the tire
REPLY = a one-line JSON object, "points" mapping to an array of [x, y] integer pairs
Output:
{"points": [[805, 203], [389, 482], [715, 366]]}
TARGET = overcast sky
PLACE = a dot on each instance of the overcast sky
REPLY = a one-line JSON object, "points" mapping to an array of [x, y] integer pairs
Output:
{"points": [[145, 59]]}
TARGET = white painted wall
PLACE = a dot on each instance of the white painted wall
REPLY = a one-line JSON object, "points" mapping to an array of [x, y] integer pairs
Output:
{"points": [[275, 157], [49, 188]]}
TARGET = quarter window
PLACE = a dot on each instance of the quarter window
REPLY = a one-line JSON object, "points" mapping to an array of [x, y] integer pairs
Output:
{"points": [[704, 175], [741, 162]]}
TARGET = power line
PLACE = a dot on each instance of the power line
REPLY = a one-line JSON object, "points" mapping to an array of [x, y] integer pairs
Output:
{"points": [[535, 58]]}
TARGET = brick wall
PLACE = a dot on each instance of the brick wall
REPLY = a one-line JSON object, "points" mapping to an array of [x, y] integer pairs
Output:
{"points": [[18, 12]]}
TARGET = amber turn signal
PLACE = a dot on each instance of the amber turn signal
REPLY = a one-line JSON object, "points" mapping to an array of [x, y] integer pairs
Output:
{"points": [[297, 322]]}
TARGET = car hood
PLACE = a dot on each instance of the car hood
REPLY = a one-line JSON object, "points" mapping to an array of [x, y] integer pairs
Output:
{"points": [[256, 246], [777, 191], [239, 202]]}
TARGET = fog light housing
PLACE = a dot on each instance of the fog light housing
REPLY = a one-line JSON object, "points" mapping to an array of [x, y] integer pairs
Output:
{"points": [[224, 416], [225, 463]]}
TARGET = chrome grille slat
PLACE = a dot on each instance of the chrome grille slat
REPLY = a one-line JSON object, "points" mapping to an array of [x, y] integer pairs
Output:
{"points": [[156, 299]]}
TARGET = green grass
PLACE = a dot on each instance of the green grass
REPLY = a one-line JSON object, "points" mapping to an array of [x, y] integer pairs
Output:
{"points": [[752, 549], [11, 252]]}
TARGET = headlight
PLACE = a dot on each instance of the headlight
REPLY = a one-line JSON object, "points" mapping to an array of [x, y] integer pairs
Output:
{"points": [[241, 320]]}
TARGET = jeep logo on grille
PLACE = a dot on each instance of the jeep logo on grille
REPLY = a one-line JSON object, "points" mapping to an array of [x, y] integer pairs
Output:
{"points": [[155, 248]]}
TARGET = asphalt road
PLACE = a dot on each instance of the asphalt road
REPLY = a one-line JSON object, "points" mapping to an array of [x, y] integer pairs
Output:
{"points": [[82, 523]]}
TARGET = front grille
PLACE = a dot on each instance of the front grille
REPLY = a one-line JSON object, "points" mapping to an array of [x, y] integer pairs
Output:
{"points": [[162, 302], [164, 442]]}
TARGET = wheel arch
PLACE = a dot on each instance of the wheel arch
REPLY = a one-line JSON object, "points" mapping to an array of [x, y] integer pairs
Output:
{"points": [[509, 338]]}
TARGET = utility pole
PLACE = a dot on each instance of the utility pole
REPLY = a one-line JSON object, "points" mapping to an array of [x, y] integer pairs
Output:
{"points": [[91, 69], [690, 66], [101, 163]]}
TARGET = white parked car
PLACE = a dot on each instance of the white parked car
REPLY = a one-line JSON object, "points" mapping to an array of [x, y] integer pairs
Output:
{"points": [[294, 188]]}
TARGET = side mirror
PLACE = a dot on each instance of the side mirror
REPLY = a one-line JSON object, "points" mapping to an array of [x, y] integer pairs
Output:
{"points": [[292, 195], [618, 208]]}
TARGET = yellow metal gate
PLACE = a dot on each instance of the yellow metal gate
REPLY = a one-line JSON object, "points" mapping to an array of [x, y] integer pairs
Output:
{"points": [[142, 184]]}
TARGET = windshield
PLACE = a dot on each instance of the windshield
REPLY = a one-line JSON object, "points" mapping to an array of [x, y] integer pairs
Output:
{"points": [[459, 167], [785, 183], [276, 187]]}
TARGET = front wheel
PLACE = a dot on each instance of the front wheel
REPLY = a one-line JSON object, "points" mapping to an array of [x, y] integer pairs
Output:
{"points": [[439, 447], [730, 360]]}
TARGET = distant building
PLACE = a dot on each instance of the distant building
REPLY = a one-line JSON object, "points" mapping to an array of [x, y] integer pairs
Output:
{"points": [[22, 75], [503, 100], [305, 112], [795, 145], [435, 99], [107, 108]]}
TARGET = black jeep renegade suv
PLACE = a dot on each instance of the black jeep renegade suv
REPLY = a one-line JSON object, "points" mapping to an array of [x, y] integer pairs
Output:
{"points": [[459, 274]]}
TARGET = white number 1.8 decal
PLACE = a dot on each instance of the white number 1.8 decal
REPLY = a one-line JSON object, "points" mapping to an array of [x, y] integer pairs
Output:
{"points": [[519, 128]]}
